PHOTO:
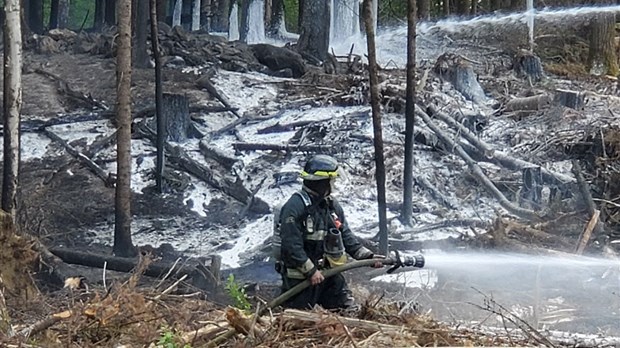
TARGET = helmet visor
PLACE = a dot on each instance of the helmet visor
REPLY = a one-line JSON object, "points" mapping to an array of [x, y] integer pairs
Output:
{"points": [[319, 175]]}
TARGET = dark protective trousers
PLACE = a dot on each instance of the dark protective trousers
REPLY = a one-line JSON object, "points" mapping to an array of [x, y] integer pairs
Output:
{"points": [[332, 293]]}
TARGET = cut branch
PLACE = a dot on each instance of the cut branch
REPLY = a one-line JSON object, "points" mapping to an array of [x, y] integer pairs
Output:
{"points": [[497, 157], [235, 189], [477, 172], [584, 189], [286, 148], [66, 89], [108, 180]]}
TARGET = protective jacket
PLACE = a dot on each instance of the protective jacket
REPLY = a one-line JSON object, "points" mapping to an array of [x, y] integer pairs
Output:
{"points": [[303, 229]]}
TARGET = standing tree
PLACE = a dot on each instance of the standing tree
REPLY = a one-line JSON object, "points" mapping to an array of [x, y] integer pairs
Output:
{"points": [[63, 13], [122, 229], [424, 9], [314, 37], [141, 55], [159, 99], [373, 72], [221, 15], [110, 12], [276, 19], [205, 14], [602, 58], [12, 104], [409, 115], [99, 14], [35, 15]]}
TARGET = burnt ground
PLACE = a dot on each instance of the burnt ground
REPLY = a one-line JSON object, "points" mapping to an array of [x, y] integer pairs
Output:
{"points": [[59, 194], [62, 201]]}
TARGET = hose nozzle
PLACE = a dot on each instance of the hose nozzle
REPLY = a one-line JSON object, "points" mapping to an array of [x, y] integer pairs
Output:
{"points": [[406, 261]]}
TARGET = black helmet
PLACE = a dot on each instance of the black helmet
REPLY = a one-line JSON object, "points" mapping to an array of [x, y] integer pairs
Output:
{"points": [[320, 167]]}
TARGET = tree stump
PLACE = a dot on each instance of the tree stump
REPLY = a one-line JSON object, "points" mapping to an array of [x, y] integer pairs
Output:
{"points": [[570, 99], [527, 65], [456, 70], [176, 114]]}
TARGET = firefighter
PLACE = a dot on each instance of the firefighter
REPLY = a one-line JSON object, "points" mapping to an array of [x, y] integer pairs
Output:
{"points": [[314, 236]]}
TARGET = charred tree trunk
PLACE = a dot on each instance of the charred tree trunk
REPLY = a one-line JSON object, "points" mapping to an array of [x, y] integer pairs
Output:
{"points": [[141, 55], [54, 14], [63, 13], [424, 10], [12, 104], [300, 14], [99, 14], [110, 12], [268, 11], [205, 14], [35, 16], [176, 113], [162, 10], [123, 245], [373, 71], [221, 15], [463, 7], [409, 115], [314, 38], [602, 58], [161, 128], [276, 22], [244, 7]]}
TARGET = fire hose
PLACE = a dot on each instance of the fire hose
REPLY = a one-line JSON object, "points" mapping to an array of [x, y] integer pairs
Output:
{"points": [[396, 261]]}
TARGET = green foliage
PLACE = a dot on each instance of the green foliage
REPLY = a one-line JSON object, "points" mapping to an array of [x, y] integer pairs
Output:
{"points": [[237, 293], [168, 340], [78, 11], [291, 15]]}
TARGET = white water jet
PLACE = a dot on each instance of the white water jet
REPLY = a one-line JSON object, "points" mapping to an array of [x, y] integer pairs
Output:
{"points": [[256, 22], [450, 25], [344, 20], [530, 22], [233, 23]]}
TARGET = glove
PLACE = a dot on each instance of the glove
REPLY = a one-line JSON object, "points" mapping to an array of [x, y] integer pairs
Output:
{"points": [[378, 264]]}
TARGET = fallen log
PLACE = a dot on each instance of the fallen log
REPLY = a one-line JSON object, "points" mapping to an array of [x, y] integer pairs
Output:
{"points": [[286, 127], [494, 156], [447, 224], [215, 154], [64, 88], [293, 315], [38, 125], [285, 148], [197, 337], [584, 190], [205, 82], [587, 232], [533, 103], [155, 269], [100, 144], [238, 122], [107, 178], [235, 189], [52, 267], [425, 184], [477, 172], [44, 324]]}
